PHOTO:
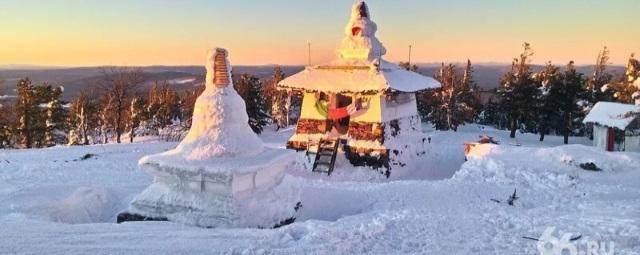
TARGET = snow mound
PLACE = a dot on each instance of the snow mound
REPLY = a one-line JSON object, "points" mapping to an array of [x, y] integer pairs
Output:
{"points": [[555, 167], [84, 205]]}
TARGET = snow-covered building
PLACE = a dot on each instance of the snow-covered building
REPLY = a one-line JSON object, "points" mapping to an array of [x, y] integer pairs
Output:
{"points": [[361, 99], [221, 174], [616, 126]]}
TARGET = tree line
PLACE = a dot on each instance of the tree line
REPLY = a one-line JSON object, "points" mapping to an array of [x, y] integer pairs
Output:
{"points": [[551, 101], [117, 106]]}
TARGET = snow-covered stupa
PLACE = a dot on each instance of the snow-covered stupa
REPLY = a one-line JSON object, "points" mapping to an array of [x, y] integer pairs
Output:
{"points": [[220, 175], [362, 100]]}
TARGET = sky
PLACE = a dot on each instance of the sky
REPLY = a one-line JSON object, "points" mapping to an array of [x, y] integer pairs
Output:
{"points": [[179, 32]]}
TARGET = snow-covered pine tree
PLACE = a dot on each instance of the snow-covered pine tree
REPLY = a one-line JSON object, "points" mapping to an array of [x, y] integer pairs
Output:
{"points": [[468, 97], [599, 78], [518, 92], [493, 114], [623, 90], [550, 79], [163, 106], [6, 117], [250, 89], [83, 117], [568, 98], [453, 104], [136, 115], [27, 111], [55, 132], [280, 100]]}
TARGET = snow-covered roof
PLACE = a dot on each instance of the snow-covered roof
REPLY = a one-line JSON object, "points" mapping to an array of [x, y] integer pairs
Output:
{"points": [[359, 66], [359, 79], [611, 114]]}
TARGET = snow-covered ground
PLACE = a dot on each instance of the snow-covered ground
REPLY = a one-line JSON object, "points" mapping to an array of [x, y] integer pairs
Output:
{"points": [[53, 202]]}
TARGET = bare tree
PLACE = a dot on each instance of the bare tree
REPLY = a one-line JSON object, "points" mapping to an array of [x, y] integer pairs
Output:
{"points": [[119, 83]]}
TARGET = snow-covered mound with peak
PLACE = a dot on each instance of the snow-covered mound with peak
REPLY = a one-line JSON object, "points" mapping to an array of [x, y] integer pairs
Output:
{"points": [[220, 175], [360, 45], [353, 211], [219, 125]]}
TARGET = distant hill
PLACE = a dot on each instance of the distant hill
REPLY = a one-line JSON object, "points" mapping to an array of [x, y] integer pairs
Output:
{"points": [[75, 80], [487, 76]]}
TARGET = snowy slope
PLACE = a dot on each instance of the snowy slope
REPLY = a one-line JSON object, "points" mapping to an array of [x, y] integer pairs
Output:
{"points": [[43, 191]]}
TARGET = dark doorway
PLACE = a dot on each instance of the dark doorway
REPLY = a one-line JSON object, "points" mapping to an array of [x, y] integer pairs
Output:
{"points": [[338, 104], [611, 139]]}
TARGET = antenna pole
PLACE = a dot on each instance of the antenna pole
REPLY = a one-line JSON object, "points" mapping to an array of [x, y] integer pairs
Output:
{"points": [[309, 49], [409, 56]]}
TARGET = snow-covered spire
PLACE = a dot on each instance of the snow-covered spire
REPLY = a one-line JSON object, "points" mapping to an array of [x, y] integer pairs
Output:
{"points": [[221, 69], [218, 68], [360, 42], [219, 125]]}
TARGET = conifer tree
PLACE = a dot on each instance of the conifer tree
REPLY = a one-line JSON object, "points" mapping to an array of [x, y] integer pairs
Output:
{"points": [[6, 117], [164, 105], [469, 94], [280, 99], [518, 92], [623, 90], [453, 104], [27, 111], [549, 81], [599, 78], [568, 97], [250, 89], [55, 119]]}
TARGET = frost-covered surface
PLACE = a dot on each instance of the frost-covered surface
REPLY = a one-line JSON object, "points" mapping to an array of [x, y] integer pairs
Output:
{"points": [[220, 175], [612, 114], [354, 211], [359, 66], [219, 126], [390, 76]]}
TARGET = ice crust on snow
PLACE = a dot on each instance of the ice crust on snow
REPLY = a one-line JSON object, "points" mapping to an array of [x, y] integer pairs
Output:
{"points": [[612, 114]]}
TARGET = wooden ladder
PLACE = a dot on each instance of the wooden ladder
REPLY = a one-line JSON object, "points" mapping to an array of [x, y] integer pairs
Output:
{"points": [[326, 156]]}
